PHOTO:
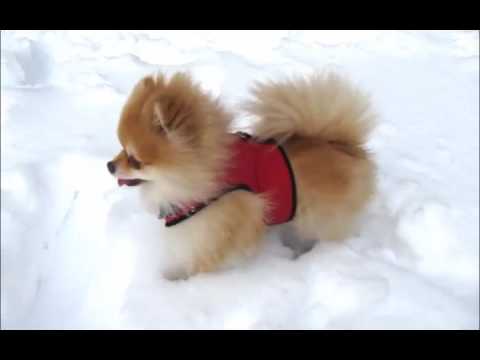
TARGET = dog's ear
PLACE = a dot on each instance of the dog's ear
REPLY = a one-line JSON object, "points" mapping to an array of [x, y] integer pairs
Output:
{"points": [[158, 118], [172, 114]]}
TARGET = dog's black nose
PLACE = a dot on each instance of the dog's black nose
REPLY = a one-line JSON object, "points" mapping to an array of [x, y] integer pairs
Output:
{"points": [[111, 167]]}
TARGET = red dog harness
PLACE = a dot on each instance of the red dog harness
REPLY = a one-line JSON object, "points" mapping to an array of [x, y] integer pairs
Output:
{"points": [[259, 167]]}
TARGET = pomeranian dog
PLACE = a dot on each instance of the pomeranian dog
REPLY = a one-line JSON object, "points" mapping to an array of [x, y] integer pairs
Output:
{"points": [[304, 164]]}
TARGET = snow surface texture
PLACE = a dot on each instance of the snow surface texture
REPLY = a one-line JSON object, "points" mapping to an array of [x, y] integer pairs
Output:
{"points": [[79, 252]]}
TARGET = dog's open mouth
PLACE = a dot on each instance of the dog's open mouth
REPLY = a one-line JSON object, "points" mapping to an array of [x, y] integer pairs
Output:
{"points": [[130, 182]]}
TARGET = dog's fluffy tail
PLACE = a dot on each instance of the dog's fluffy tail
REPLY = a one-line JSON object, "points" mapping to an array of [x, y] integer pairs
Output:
{"points": [[324, 106]]}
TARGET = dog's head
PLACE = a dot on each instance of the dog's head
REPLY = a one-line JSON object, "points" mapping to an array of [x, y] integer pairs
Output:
{"points": [[169, 130]]}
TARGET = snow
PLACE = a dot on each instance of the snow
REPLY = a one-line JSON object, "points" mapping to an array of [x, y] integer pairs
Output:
{"points": [[79, 252]]}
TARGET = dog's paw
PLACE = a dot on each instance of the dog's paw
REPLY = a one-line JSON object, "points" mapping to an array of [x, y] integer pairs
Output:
{"points": [[175, 274], [296, 245]]}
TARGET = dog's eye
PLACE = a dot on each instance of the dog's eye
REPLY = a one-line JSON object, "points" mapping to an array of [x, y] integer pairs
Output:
{"points": [[134, 162]]}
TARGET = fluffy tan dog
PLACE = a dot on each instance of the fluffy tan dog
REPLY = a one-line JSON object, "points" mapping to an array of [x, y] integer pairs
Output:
{"points": [[177, 146]]}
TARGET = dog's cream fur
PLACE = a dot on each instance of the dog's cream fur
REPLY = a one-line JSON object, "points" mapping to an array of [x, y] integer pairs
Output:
{"points": [[178, 133]]}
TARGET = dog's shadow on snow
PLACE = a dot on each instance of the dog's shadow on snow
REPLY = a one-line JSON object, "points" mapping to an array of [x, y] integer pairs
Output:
{"points": [[377, 233]]}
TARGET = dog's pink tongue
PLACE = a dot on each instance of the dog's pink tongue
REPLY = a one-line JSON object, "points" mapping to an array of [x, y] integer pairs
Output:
{"points": [[122, 182]]}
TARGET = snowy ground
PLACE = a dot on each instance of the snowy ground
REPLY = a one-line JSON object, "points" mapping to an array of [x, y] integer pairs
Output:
{"points": [[79, 252]]}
